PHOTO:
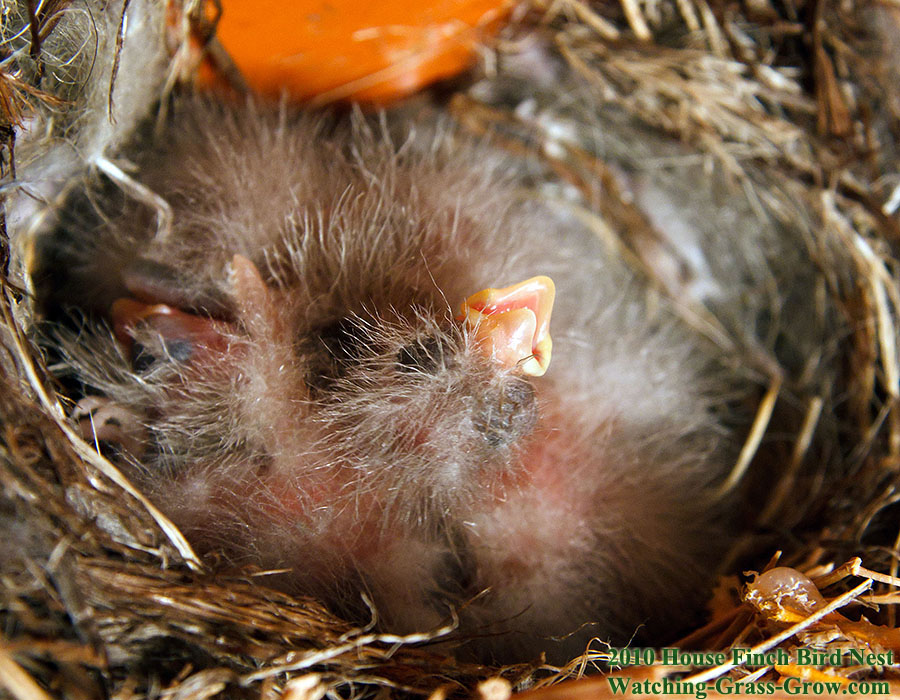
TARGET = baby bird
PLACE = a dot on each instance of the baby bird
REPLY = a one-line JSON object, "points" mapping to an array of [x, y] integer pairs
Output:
{"points": [[304, 375]]}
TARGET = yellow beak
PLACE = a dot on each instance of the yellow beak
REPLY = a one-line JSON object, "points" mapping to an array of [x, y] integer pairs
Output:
{"points": [[512, 324]]}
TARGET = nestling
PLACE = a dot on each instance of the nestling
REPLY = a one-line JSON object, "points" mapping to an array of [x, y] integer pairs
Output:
{"points": [[303, 374]]}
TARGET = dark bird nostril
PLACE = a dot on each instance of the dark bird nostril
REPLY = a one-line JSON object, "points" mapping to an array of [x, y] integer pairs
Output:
{"points": [[507, 414]]}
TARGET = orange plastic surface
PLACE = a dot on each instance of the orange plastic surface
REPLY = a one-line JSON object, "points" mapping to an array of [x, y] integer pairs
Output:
{"points": [[373, 51]]}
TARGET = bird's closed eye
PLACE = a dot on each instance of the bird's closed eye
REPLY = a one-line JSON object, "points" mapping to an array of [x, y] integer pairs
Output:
{"points": [[332, 350], [429, 354], [344, 344], [343, 341]]}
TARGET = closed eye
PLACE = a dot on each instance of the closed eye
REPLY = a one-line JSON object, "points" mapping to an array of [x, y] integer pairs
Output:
{"points": [[332, 350], [428, 355], [343, 341]]}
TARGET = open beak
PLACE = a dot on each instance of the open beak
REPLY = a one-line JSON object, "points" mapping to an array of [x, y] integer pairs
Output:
{"points": [[512, 324]]}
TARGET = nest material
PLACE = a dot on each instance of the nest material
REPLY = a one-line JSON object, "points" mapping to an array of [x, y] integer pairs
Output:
{"points": [[797, 106]]}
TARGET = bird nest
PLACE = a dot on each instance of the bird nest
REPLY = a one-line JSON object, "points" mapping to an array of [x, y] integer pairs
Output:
{"points": [[796, 106]]}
